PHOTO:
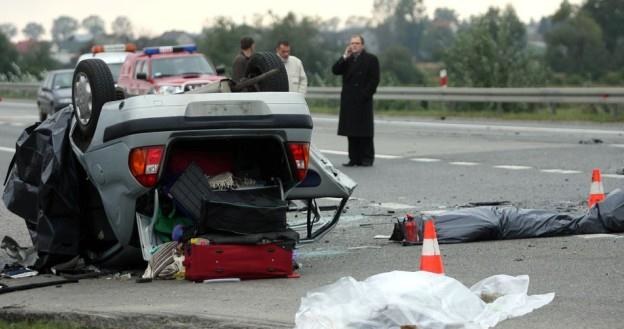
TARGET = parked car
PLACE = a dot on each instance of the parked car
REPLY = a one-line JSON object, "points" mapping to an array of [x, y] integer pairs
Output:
{"points": [[131, 150], [54, 92], [167, 70]]}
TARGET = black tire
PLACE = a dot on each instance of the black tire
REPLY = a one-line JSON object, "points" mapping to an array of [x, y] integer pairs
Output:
{"points": [[88, 103], [262, 62]]}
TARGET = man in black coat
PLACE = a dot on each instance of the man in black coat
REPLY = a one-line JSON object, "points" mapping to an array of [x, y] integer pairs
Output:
{"points": [[360, 77]]}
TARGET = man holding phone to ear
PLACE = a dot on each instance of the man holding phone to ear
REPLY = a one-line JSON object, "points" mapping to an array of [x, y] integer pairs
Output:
{"points": [[360, 77]]}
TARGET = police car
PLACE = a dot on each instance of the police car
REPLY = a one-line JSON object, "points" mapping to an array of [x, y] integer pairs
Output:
{"points": [[167, 70]]}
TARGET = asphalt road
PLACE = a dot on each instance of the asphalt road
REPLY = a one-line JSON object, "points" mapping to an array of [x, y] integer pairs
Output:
{"points": [[422, 165]]}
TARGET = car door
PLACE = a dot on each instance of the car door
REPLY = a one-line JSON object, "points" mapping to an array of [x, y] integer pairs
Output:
{"points": [[44, 95], [143, 86]]}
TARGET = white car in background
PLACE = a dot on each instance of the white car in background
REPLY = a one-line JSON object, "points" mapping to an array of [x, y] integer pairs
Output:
{"points": [[113, 55]]}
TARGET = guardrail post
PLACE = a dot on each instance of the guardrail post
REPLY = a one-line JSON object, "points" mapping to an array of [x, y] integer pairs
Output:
{"points": [[552, 107]]}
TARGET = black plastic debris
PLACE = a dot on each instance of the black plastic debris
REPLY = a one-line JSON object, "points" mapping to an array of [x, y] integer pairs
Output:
{"points": [[591, 141], [41, 188], [498, 223], [6, 288]]}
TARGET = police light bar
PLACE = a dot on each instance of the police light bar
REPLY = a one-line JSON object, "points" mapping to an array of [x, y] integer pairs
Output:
{"points": [[169, 49], [129, 47]]}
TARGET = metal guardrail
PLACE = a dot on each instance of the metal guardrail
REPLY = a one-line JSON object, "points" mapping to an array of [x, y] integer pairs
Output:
{"points": [[486, 95], [19, 86]]}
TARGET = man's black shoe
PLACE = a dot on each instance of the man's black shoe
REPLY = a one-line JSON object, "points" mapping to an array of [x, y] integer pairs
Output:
{"points": [[366, 164], [349, 164]]}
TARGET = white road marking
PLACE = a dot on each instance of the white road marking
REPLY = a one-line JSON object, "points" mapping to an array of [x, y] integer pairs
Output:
{"points": [[425, 160], [384, 156], [599, 236], [392, 205], [613, 176], [468, 163], [461, 163], [7, 149], [380, 156], [561, 171], [334, 152], [512, 167], [17, 124]]}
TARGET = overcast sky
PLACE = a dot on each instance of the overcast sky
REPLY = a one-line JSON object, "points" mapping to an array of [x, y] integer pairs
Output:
{"points": [[152, 17]]}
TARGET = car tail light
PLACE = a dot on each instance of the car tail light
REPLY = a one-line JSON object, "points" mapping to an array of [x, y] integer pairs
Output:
{"points": [[144, 163], [301, 155]]}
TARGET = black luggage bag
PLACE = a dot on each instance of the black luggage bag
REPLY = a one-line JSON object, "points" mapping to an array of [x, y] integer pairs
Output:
{"points": [[243, 211]]}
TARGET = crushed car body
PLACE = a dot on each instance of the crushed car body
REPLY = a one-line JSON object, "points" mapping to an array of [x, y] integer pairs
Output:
{"points": [[131, 152]]}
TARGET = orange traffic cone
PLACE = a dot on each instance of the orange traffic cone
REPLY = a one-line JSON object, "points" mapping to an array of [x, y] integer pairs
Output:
{"points": [[596, 191], [431, 260]]}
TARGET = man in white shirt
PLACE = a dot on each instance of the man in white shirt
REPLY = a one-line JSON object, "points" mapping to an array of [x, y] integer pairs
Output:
{"points": [[297, 79]]}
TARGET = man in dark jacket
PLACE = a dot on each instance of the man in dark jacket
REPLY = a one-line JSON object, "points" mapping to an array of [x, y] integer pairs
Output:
{"points": [[241, 60], [360, 77]]}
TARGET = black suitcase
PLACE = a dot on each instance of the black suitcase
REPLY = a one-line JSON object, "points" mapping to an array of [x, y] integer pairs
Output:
{"points": [[243, 211]]}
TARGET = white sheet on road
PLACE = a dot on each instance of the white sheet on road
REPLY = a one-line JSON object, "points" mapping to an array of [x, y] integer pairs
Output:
{"points": [[427, 300]]}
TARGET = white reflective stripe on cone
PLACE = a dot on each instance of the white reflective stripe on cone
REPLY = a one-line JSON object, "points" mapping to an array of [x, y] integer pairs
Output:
{"points": [[596, 188], [430, 248]]}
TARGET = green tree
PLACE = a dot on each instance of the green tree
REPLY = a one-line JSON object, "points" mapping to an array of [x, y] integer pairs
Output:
{"points": [[94, 24], [401, 22], [8, 30], [566, 11], [33, 30], [398, 69], [221, 41], [63, 27], [122, 28], [8, 57], [445, 14], [575, 46], [306, 42], [609, 14], [439, 34], [38, 59], [493, 52]]}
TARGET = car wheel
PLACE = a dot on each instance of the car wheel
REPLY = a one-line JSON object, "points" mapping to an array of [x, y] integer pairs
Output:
{"points": [[262, 62], [92, 87]]}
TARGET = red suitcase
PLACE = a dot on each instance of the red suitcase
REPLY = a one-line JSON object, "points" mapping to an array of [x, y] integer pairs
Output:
{"points": [[243, 261]]}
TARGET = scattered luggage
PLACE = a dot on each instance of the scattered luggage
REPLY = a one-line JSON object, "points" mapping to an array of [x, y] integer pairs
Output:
{"points": [[205, 261]]}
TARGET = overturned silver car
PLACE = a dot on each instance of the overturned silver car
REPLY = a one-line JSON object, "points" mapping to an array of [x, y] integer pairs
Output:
{"points": [[131, 152]]}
